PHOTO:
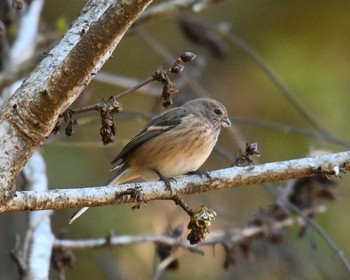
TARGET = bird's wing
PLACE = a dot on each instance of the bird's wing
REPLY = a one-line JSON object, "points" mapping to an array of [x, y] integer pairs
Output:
{"points": [[156, 126]]}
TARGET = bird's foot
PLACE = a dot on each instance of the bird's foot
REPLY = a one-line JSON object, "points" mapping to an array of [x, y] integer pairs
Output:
{"points": [[166, 181]]}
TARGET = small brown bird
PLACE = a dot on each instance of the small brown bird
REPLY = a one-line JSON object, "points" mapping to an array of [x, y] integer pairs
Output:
{"points": [[172, 143]]}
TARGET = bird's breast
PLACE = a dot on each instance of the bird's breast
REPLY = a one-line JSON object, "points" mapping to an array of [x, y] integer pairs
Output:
{"points": [[175, 152]]}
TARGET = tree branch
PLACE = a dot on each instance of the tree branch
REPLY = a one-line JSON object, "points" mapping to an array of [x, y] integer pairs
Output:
{"points": [[220, 179], [32, 111], [170, 8], [39, 238], [215, 237]]}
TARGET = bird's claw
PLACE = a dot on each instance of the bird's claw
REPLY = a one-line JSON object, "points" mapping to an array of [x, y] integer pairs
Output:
{"points": [[166, 181]]}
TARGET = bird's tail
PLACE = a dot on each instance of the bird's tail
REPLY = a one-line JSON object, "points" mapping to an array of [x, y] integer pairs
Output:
{"points": [[77, 214], [121, 177]]}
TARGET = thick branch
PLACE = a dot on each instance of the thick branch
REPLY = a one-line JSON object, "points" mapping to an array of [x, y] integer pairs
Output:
{"points": [[220, 179], [32, 111]]}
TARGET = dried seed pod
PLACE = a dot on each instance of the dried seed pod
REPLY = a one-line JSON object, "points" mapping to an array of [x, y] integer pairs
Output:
{"points": [[177, 68], [199, 224], [188, 56]]}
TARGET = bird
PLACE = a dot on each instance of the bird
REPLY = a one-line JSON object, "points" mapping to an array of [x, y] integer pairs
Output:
{"points": [[173, 143]]}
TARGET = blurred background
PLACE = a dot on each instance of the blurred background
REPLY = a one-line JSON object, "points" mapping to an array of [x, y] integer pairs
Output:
{"points": [[305, 42]]}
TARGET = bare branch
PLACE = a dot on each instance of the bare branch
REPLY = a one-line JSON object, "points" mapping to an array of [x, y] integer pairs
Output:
{"points": [[169, 8], [215, 237], [220, 179]]}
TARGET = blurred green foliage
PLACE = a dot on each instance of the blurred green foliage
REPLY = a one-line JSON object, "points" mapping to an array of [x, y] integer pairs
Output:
{"points": [[61, 25]]}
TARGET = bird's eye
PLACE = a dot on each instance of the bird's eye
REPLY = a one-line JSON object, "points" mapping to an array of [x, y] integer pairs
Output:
{"points": [[217, 112]]}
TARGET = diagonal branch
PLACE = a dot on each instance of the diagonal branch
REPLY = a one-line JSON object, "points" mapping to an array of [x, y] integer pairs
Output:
{"points": [[220, 179], [170, 8], [32, 111]]}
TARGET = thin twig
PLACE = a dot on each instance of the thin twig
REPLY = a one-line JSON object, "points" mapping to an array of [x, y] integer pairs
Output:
{"points": [[125, 82], [169, 8], [332, 244], [97, 106], [282, 200], [289, 128], [160, 75], [179, 201], [134, 88]]}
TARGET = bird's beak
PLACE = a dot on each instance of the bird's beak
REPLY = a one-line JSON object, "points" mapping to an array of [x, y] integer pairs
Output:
{"points": [[225, 122]]}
